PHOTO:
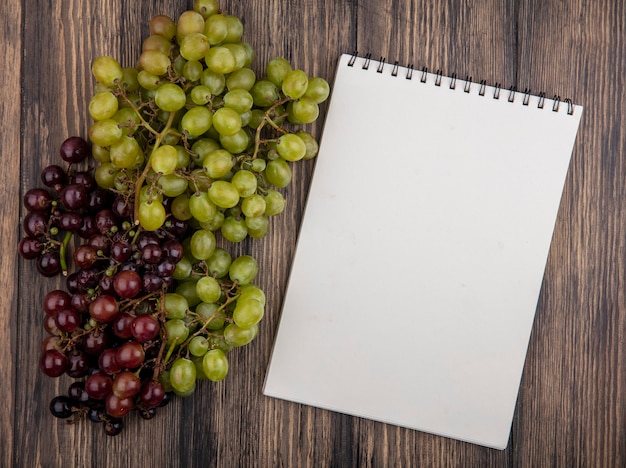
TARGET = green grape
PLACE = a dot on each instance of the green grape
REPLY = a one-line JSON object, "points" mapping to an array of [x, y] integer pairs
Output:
{"points": [[163, 25], [100, 153], [187, 289], [219, 59], [253, 205], [201, 148], [208, 289], [183, 159], [129, 80], [237, 337], [107, 71], [218, 163], [249, 53], [237, 142], [264, 93], [182, 270], [105, 132], [124, 152], [258, 226], [239, 100], [183, 376], [278, 173], [151, 215], [197, 361], [164, 379], [223, 194], [239, 52], [200, 95], [234, 229], [318, 89], [156, 42], [103, 105], [180, 207], [192, 70], [172, 185], [194, 46], [105, 175], [258, 165], [295, 84], [274, 203], [170, 97], [219, 263], [305, 110], [198, 346], [189, 22], [201, 207], [257, 116], [276, 70], [245, 182], [215, 223], [235, 29], [244, 78], [154, 62], [216, 82], [312, 147], [200, 180], [196, 121], [164, 159], [215, 365], [252, 291], [127, 119], [248, 312], [245, 118], [148, 80], [291, 147], [212, 318], [177, 331], [202, 244], [226, 121], [206, 7], [216, 28], [176, 306], [146, 193], [243, 269]]}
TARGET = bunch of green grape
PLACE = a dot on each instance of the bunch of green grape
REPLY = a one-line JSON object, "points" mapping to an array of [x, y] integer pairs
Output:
{"points": [[193, 133]]}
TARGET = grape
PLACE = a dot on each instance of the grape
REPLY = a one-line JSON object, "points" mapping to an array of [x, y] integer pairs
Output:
{"points": [[53, 176], [234, 229], [53, 363], [104, 308], [236, 336], [278, 173], [215, 365], [61, 407], [151, 215], [183, 376], [37, 199], [243, 269], [223, 194], [103, 105], [105, 132], [155, 62], [202, 244], [276, 70], [291, 147], [196, 121], [226, 121], [295, 84], [248, 312], [107, 71], [145, 328], [170, 97], [127, 284]]}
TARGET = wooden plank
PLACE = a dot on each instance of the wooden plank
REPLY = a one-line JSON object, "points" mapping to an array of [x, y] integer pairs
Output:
{"points": [[10, 112]]}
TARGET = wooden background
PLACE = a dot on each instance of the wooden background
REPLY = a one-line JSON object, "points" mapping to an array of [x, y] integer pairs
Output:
{"points": [[571, 410]]}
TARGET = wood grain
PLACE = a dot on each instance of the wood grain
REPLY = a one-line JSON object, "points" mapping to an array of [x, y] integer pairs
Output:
{"points": [[571, 410]]}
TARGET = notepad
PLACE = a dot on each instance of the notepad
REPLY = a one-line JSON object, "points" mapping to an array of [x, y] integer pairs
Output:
{"points": [[422, 250]]}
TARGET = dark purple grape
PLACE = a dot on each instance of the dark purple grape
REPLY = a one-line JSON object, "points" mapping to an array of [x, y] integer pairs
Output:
{"points": [[88, 277], [95, 342], [80, 302], [74, 149], [152, 394], [76, 392], [29, 248], [127, 284], [67, 320], [152, 254], [98, 199], [173, 250], [95, 415], [85, 256], [105, 220], [107, 362], [145, 328], [98, 385], [74, 196], [61, 407], [166, 268], [122, 325], [122, 208], [85, 179], [106, 284], [88, 228], [113, 426], [72, 283], [37, 199], [176, 227], [56, 300], [151, 282], [166, 399], [70, 221], [130, 355], [35, 224], [100, 242], [120, 251], [78, 364], [148, 413], [146, 238], [53, 363], [49, 263], [54, 176], [50, 325]]}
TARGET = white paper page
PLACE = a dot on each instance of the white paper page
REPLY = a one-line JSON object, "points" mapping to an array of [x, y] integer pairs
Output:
{"points": [[421, 255]]}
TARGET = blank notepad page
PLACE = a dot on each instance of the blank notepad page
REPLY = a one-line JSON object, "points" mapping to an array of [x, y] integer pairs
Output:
{"points": [[422, 251]]}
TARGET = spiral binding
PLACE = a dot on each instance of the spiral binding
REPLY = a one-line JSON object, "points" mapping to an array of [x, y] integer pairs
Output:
{"points": [[511, 94]]}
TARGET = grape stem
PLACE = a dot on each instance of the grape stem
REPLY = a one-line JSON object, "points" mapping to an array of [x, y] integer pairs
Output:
{"points": [[267, 120], [63, 252], [144, 122], [158, 367], [144, 174]]}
